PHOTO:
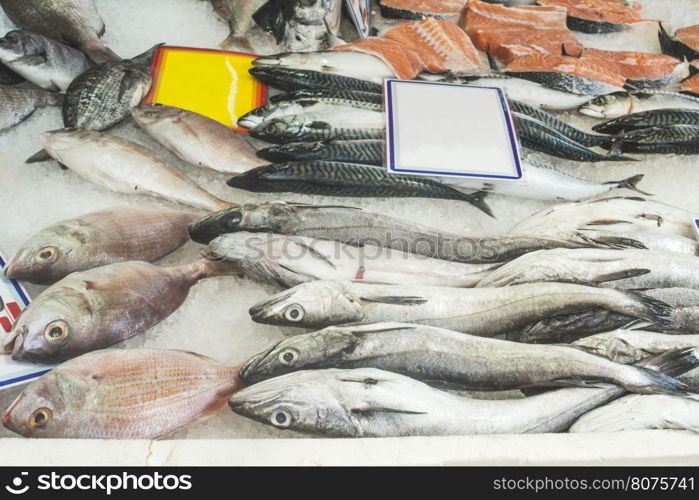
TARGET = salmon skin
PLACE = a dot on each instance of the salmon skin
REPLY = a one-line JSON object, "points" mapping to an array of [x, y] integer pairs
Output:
{"points": [[420, 9], [642, 70], [597, 16], [293, 79], [685, 43]]}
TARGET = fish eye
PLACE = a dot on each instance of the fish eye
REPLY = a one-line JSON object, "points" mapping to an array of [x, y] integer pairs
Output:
{"points": [[56, 330], [294, 313], [280, 418], [233, 220], [40, 418], [288, 357], [46, 255]]}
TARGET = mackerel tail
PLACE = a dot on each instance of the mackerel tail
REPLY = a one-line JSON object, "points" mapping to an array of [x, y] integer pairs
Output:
{"points": [[296, 79]]}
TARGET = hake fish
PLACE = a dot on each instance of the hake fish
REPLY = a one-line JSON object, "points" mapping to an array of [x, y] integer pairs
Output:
{"points": [[18, 104], [620, 104], [367, 402], [238, 15], [329, 125], [100, 307], [44, 62], [75, 22], [300, 79], [331, 178], [366, 151], [122, 394], [125, 167], [99, 238], [479, 311], [197, 139], [457, 359], [288, 261]]}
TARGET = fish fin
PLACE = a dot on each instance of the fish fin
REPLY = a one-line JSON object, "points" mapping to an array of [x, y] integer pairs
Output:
{"points": [[675, 422], [381, 327], [127, 82], [620, 275], [630, 183], [32, 60], [98, 52], [661, 383], [651, 309], [270, 17], [380, 409], [491, 60], [477, 199], [616, 242], [317, 254], [672, 362], [571, 382], [664, 37], [606, 222], [396, 300], [39, 157], [637, 324], [534, 391], [236, 40], [208, 267], [319, 207]]}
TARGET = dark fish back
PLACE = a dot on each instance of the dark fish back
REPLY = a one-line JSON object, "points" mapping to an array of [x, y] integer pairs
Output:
{"points": [[295, 79]]}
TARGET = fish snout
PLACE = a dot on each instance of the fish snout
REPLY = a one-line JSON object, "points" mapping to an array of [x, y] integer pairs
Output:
{"points": [[258, 312], [13, 345], [266, 61], [7, 414]]}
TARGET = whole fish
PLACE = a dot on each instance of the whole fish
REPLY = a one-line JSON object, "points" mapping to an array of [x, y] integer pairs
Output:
{"points": [[538, 136], [340, 95], [238, 15], [626, 269], [671, 148], [552, 121], [348, 179], [197, 139], [323, 126], [18, 104], [288, 261], [648, 119], [367, 402], [125, 167], [43, 61], [94, 309], [635, 412], [301, 25], [667, 139], [99, 238], [485, 312], [563, 82], [437, 355], [300, 79], [367, 151], [296, 107], [343, 63], [122, 394], [75, 22], [624, 103], [358, 227], [682, 45]]}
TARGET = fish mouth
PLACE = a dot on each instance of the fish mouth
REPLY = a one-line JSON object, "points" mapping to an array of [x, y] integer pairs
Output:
{"points": [[7, 414], [247, 372], [204, 232], [14, 344]]}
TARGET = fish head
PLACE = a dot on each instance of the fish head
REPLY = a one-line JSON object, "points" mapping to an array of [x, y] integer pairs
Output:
{"points": [[16, 44], [57, 142], [322, 349], [45, 407], [251, 180], [50, 328], [304, 401], [315, 304], [607, 106], [149, 114], [278, 129]]}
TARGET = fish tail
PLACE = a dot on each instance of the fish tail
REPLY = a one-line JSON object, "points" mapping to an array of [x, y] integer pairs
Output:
{"points": [[98, 52], [39, 157], [630, 183], [657, 383], [52, 98], [236, 41], [477, 199], [211, 265], [672, 362], [650, 309]]}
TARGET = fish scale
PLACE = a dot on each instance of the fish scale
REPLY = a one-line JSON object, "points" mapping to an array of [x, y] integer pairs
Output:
{"points": [[17, 104], [330, 125]]}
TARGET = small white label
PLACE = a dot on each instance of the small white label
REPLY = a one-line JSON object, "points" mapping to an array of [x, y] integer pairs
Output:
{"points": [[695, 226], [450, 130]]}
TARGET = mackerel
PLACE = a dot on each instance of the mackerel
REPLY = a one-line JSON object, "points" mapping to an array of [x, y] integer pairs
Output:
{"points": [[625, 103], [324, 126], [648, 119], [367, 151], [298, 79]]}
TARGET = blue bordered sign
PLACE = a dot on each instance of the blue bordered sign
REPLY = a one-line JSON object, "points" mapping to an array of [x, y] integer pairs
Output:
{"points": [[449, 129], [13, 300], [695, 226]]}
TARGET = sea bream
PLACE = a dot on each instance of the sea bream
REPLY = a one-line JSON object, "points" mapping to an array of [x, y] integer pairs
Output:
{"points": [[197, 139], [99, 238], [287, 261], [326, 125], [442, 356], [122, 394], [44, 62], [238, 15], [625, 103], [17, 104], [367, 151], [332, 178], [486, 312], [94, 309], [598, 16], [684, 43], [301, 79], [367, 402], [75, 22], [125, 167]]}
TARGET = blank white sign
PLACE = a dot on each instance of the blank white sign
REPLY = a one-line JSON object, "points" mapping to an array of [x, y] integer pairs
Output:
{"points": [[450, 129]]}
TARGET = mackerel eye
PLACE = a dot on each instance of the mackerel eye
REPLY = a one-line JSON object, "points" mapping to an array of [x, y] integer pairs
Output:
{"points": [[289, 357], [56, 331], [294, 313], [46, 255], [280, 418], [40, 418]]}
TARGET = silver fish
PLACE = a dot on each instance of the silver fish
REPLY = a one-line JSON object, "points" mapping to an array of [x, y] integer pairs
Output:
{"points": [[291, 260], [197, 139], [125, 167], [43, 61], [99, 238], [18, 104], [367, 402], [238, 15], [75, 22], [99, 307], [437, 355], [624, 103], [485, 312]]}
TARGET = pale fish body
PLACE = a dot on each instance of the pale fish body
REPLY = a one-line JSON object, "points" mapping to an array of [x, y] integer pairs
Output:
{"points": [[437, 355], [44, 62], [625, 103], [99, 238], [623, 269], [636, 412], [18, 104], [291, 260], [122, 394], [197, 139], [99, 307], [125, 167], [479, 311]]}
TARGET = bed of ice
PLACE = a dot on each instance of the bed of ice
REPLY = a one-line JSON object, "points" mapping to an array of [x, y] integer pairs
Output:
{"points": [[214, 319]]}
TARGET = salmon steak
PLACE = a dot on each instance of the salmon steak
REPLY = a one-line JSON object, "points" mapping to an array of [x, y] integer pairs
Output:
{"points": [[597, 16], [405, 62], [482, 16], [508, 45], [420, 9], [641, 69]]}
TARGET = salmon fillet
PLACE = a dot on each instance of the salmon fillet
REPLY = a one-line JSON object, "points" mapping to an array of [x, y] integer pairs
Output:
{"points": [[442, 45], [405, 62], [565, 64], [689, 36], [416, 9], [598, 10], [481, 16], [633, 65], [508, 45], [691, 84]]}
